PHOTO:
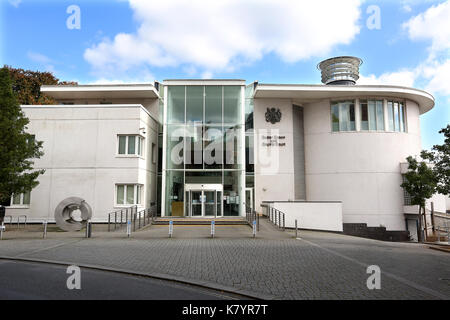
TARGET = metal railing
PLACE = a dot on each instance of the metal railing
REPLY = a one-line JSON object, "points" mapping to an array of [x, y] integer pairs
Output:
{"points": [[25, 220], [139, 219], [10, 219], [250, 216], [19, 218], [443, 231], [277, 217]]}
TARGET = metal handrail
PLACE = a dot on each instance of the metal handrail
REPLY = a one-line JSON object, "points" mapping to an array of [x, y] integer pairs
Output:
{"points": [[116, 214], [139, 219], [278, 218]]}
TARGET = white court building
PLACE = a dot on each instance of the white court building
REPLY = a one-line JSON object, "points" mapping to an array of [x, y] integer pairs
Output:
{"points": [[211, 148]]}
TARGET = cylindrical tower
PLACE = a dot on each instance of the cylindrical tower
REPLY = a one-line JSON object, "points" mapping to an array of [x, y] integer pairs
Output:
{"points": [[340, 70]]}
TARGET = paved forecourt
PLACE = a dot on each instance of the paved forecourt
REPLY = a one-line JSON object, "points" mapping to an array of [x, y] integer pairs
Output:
{"points": [[275, 265]]}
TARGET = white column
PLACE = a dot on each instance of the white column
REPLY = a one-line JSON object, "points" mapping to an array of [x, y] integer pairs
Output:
{"points": [[357, 115], [386, 122], [241, 157], [163, 182]]}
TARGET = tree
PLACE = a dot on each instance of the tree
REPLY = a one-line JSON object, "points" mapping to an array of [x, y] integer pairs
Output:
{"points": [[420, 183], [26, 84], [17, 148], [440, 158]]}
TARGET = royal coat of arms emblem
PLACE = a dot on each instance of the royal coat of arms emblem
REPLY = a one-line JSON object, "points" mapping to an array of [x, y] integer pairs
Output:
{"points": [[273, 115]]}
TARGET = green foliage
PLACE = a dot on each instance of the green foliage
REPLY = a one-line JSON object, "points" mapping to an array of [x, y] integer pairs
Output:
{"points": [[26, 85], [17, 148], [420, 181], [440, 158]]}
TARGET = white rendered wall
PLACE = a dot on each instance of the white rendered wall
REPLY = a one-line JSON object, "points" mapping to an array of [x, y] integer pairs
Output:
{"points": [[274, 182], [361, 169], [325, 216], [80, 157]]}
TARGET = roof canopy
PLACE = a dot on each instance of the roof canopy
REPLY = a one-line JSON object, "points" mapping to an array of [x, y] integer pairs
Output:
{"points": [[310, 93], [137, 91]]}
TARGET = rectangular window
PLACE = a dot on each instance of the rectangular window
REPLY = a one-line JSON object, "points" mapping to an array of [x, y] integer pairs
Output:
{"points": [[396, 113], [364, 115], [128, 194], [22, 199], [335, 117], [343, 116], [380, 115], [372, 115], [130, 145], [396, 117], [391, 116], [122, 144]]}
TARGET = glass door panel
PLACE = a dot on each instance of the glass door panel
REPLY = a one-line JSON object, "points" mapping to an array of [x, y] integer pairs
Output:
{"points": [[187, 204], [210, 202], [196, 204], [219, 204]]}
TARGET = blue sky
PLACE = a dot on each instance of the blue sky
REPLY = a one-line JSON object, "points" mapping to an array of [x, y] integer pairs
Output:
{"points": [[270, 41]]}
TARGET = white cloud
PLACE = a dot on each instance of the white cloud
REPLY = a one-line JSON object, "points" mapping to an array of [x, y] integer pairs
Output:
{"points": [[129, 77], [42, 60], [439, 77], [434, 73], [400, 78], [222, 35], [15, 3], [433, 24], [38, 57]]}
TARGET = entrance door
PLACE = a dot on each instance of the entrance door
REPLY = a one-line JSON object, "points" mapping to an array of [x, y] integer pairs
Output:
{"points": [[209, 206], [196, 203], [203, 200]]}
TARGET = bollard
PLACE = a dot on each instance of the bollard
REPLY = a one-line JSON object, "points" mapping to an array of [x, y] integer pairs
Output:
{"points": [[88, 228], [45, 229], [254, 228], [2, 229], [128, 228], [296, 229], [170, 228], [213, 227]]}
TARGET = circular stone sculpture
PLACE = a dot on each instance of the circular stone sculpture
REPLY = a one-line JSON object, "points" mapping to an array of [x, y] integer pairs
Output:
{"points": [[65, 209]]}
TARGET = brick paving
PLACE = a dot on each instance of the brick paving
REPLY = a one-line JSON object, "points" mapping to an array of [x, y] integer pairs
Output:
{"points": [[274, 265]]}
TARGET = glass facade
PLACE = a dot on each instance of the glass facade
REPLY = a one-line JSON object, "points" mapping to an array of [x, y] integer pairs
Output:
{"points": [[205, 146]]}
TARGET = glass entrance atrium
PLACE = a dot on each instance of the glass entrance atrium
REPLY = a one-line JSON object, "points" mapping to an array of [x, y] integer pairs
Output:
{"points": [[204, 149]]}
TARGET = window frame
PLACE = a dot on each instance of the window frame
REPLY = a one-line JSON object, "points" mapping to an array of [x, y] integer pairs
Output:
{"points": [[139, 144], [397, 123], [369, 115], [339, 104], [137, 195], [21, 204]]}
